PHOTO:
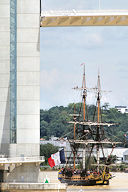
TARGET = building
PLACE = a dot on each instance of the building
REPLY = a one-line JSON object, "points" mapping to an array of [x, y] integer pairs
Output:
{"points": [[56, 141], [125, 156], [20, 88], [122, 109], [118, 152]]}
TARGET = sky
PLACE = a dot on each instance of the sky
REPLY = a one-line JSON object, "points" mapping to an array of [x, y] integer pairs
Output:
{"points": [[63, 49]]}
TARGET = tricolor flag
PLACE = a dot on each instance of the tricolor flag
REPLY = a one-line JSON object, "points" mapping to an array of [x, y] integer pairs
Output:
{"points": [[57, 158]]}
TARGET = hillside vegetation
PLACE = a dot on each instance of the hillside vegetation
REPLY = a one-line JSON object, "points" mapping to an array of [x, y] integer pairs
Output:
{"points": [[55, 122]]}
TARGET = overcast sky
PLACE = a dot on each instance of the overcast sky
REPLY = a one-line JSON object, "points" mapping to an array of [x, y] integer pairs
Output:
{"points": [[63, 49]]}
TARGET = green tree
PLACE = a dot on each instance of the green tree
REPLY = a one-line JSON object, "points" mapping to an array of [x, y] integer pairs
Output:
{"points": [[46, 150]]}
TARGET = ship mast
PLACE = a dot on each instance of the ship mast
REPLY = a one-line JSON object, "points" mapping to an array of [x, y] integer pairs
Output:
{"points": [[74, 153], [84, 106], [84, 93], [98, 120]]}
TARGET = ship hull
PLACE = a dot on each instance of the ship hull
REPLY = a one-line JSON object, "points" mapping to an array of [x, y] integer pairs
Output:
{"points": [[84, 182], [87, 180]]}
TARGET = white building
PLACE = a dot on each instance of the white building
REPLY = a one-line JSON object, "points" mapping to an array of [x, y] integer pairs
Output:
{"points": [[122, 109], [56, 141], [119, 152], [125, 156]]}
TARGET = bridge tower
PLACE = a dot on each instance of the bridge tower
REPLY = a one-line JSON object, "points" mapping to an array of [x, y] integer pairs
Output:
{"points": [[19, 87]]}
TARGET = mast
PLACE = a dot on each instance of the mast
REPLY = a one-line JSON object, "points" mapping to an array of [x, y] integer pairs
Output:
{"points": [[84, 93], [98, 99], [98, 121], [74, 135], [74, 123], [74, 154], [84, 106]]}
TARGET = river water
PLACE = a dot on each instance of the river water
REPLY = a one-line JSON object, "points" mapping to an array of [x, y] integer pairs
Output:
{"points": [[118, 184]]}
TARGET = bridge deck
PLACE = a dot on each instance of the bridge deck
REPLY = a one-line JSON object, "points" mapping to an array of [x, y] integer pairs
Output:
{"points": [[84, 18]]}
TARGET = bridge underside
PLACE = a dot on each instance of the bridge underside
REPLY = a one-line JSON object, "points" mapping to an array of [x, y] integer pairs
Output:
{"points": [[84, 18]]}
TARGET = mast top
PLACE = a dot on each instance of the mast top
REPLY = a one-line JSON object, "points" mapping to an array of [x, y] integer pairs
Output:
{"points": [[84, 82], [84, 88]]}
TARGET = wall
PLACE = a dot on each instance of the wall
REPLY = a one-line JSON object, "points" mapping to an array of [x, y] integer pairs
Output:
{"points": [[28, 79], [4, 75], [27, 85]]}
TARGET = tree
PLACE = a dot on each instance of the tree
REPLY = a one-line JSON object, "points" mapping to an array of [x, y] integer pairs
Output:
{"points": [[105, 106], [43, 128], [46, 150]]}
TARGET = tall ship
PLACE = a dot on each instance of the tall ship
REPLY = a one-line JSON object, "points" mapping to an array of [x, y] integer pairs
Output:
{"points": [[89, 135]]}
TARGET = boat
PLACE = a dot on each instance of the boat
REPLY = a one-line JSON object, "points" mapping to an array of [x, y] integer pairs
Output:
{"points": [[90, 137]]}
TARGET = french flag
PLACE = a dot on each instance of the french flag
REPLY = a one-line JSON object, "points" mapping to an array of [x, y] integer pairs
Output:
{"points": [[57, 158]]}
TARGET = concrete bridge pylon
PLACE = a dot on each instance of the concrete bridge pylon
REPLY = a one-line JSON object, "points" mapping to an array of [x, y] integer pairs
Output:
{"points": [[19, 90]]}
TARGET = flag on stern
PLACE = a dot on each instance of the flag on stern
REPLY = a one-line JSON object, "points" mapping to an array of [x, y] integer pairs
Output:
{"points": [[57, 158]]}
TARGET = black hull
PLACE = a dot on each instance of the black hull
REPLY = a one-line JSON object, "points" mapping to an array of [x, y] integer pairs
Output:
{"points": [[84, 182]]}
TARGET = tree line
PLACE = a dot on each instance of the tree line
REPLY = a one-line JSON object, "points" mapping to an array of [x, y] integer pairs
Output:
{"points": [[55, 121]]}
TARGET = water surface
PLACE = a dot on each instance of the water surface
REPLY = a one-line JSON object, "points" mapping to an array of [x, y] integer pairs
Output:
{"points": [[119, 183]]}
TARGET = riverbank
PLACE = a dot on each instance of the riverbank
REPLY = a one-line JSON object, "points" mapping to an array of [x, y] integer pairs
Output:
{"points": [[47, 182], [31, 187]]}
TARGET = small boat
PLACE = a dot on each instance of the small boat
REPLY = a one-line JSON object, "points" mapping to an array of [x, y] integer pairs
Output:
{"points": [[90, 137]]}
